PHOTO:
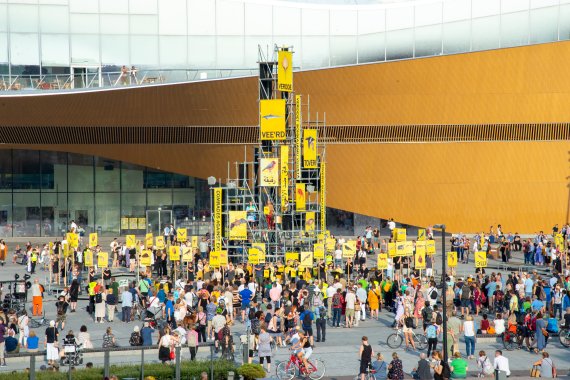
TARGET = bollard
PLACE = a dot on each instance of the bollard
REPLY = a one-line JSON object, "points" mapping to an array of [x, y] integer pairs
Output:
{"points": [[177, 350], [231, 375], [142, 364], [33, 367], [106, 363]]}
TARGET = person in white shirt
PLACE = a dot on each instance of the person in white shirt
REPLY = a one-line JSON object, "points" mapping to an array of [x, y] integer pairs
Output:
{"points": [[331, 291], [349, 312], [73, 226], [499, 324], [501, 363], [338, 256], [391, 225]]}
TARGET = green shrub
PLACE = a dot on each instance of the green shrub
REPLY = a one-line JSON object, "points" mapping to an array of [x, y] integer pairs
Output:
{"points": [[251, 371]]}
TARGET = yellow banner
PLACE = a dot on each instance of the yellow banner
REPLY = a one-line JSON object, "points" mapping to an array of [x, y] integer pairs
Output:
{"points": [[300, 197], [481, 259], [323, 195], [430, 247], [260, 252], [269, 172], [217, 219], [284, 160], [298, 136], [291, 256], [181, 235], [310, 148], [187, 254], [142, 223], [124, 223], [253, 256], [401, 248], [103, 259], [306, 260], [73, 240], [133, 223], [93, 239], [174, 253], [452, 259], [238, 225], [420, 259], [310, 221], [149, 240], [285, 71], [392, 249], [409, 248], [194, 242], [145, 258], [400, 234], [319, 251], [66, 250], [88, 259], [559, 241], [223, 258], [131, 241], [421, 234], [214, 259], [272, 119], [349, 249], [331, 244], [159, 242], [382, 261]]}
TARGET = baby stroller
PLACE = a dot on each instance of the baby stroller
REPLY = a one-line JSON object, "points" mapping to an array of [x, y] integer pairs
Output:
{"points": [[72, 353], [152, 316]]}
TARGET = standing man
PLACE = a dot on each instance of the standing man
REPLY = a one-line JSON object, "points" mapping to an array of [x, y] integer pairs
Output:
{"points": [[350, 304], [111, 301], [127, 305], [61, 307], [361, 297], [37, 298], [166, 233], [321, 323]]}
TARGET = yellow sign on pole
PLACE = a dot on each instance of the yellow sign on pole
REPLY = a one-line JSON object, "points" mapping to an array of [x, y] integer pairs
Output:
{"points": [[481, 259], [214, 259], [331, 244], [323, 196], [382, 261], [284, 160], [174, 253], [223, 258], [421, 234], [392, 249], [269, 172], [401, 248], [319, 251], [400, 234], [93, 239], [159, 242], [260, 252], [146, 260], [253, 256], [420, 259], [88, 258], [103, 259], [430, 247], [409, 248], [306, 260], [291, 256], [300, 197], [349, 249], [181, 235], [187, 254], [310, 221], [285, 71], [298, 143], [217, 219], [73, 240], [452, 259], [310, 148], [149, 238], [272, 119], [194, 242], [238, 225], [131, 241]]}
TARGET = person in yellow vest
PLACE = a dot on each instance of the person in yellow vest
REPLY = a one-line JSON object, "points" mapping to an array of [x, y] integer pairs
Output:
{"points": [[34, 261], [91, 292]]}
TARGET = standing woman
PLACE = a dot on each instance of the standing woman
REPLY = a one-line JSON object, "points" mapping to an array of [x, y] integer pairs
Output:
{"points": [[399, 308], [164, 346], [365, 353], [469, 331], [55, 269], [201, 319], [418, 307], [408, 330], [373, 301], [540, 333], [52, 353], [73, 294], [99, 304]]}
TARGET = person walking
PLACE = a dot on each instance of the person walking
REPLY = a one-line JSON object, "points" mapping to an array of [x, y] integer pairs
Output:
{"points": [[469, 335], [337, 301], [321, 323], [365, 354], [540, 333], [431, 332], [349, 310], [264, 347]]}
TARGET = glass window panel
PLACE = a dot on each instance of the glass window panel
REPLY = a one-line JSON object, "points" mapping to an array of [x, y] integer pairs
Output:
{"points": [[315, 52], [315, 22], [26, 170], [181, 181], [115, 50], [371, 21], [82, 6], [514, 29], [144, 24], [456, 37], [80, 172], [201, 17], [54, 214], [5, 170], [53, 166], [508, 6], [229, 18], [343, 23], [399, 18], [172, 17], [286, 21], [143, 7], [84, 48], [154, 179], [428, 41], [230, 52], [131, 177], [399, 44], [56, 2], [162, 199], [133, 204], [3, 47], [55, 49], [183, 202], [107, 174], [544, 25], [258, 19], [295, 42], [54, 19], [428, 14], [343, 50], [114, 6], [371, 48], [251, 52], [564, 22], [173, 51], [26, 217], [24, 49], [107, 213], [201, 52], [543, 3], [81, 210], [486, 33], [482, 8], [456, 10], [6, 215], [3, 18], [23, 18], [144, 50], [115, 24], [84, 23]]}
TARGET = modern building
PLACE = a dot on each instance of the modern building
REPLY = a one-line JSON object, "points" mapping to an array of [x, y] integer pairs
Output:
{"points": [[474, 133]]}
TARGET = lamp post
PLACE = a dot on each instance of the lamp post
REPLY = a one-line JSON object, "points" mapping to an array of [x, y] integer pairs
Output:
{"points": [[443, 288]]}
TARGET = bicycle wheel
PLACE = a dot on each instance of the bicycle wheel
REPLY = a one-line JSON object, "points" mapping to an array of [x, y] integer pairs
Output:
{"points": [[564, 338], [509, 340], [285, 371], [394, 340], [273, 348], [317, 369], [421, 341]]}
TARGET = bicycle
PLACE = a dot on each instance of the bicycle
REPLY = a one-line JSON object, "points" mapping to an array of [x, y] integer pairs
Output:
{"points": [[295, 367], [515, 340], [369, 375], [396, 339], [36, 323], [564, 337]]}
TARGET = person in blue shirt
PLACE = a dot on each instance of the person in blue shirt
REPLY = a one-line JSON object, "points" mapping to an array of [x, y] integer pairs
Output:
{"points": [[380, 366], [528, 285], [169, 308], [491, 287], [245, 297], [11, 344], [552, 326], [146, 334], [33, 342], [565, 300], [161, 295], [307, 317], [536, 304]]}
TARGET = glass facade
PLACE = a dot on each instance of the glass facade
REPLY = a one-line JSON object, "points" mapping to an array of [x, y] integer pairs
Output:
{"points": [[58, 44], [42, 191]]}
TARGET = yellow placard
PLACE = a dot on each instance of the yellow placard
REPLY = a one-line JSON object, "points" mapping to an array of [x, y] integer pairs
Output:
{"points": [[382, 261], [291, 256], [181, 235], [430, 247], [124, 223], [66, 250], [149, 240], [238, 225], [174, 253], [133, 223], [195, 243], [298, 144], [187, 254], [401, 248], [93, 239], [223, 258], [300, 197], [293, 273], [409, 248], [141, 223], [145, 258], [331, 244], [392, 249], [310, 221], [480, 259], [260, 252], [284, 175], [131, 241], [310, 148], [323, 197], [88, 259], [400, 234], [269, 172], [452, 259], [349, 249], [306, 260], [272, 119], [266, 273], [285, 71], [50, 245], [420, 259], [73, 240], [214, 259], [319, 251], [159, 242], [217, 219], [103, 259], [559, 241], [253, 256], [421, 234]]}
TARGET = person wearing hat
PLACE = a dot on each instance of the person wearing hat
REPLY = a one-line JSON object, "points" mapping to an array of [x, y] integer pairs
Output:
{"points": [[52, 353], [136, 337]]}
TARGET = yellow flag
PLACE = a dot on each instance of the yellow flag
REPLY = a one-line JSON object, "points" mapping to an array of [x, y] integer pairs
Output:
{"points": [[481, 259], [430, 247], [181, 235], [238, 225], [421, 234], [93, 239], [174, 253], [400, 234], [319, 251], [145, 258], [420, 259], [159, 242], [88, 258], [300, 197], [260, 252], [306, 260], [310, 148], [149, 238], [310, 221], [194, 242], [269, 172], [253, 256], [285, 71], [272, 119], [223, 258], [382, 261], [392, 249], [452, 259], [131, 241], [284, 159], [73, 240], [103, 259]]}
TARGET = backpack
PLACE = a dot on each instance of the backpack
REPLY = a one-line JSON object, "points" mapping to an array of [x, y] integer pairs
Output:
{"points": [[431, 332], [322, 312], [136, 339], [488, 367], [221, 335], [409, 322], [482, 297], [427, 314], [438, 319], [433, 294], [307, 319], [336, 300], [98, 298], [465, 292]]}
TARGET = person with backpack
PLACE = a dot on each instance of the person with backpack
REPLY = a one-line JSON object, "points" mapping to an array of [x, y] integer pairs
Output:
{"points": [[432, 294], [431, 330], [337, 301], [427, 316], [321, 323], [136, 337], [61, 308], [485, 366], [499, 298], [307, 317]]}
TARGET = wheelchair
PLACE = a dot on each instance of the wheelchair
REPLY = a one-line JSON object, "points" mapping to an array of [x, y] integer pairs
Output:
{"points": [[72, 353]]}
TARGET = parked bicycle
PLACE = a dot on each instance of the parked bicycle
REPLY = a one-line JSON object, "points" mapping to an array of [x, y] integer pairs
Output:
{"points": [[396, 339], [38, 322], [564, 337], [369, 375]]}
